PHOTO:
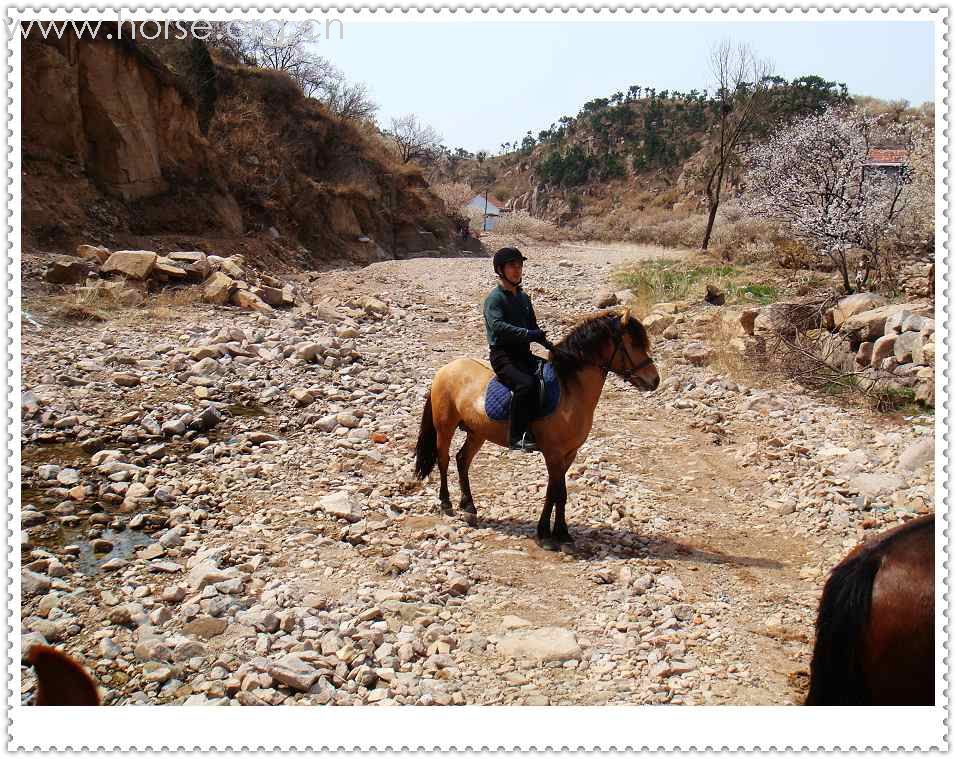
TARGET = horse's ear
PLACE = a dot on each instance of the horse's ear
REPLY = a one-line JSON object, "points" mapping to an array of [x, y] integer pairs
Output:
{"points": [[625, 316]]}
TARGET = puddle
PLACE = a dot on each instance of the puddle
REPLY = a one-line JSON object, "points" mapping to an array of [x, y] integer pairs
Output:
{"points": [[125, 542], [63, 454], [255, 411]]}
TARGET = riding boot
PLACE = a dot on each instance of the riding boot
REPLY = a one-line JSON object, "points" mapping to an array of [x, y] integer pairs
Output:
{"points": [[518, 424]]}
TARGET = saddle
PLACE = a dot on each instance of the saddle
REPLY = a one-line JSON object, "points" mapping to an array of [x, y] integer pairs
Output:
{"points": [[498, 396]]}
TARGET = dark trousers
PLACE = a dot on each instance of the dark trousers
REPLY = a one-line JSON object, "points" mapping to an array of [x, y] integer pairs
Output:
{"points": [[516, 372]]}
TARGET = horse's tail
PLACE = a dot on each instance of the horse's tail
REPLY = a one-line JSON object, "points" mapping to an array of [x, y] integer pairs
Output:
{"points": [[426, 450], [836, 674]]}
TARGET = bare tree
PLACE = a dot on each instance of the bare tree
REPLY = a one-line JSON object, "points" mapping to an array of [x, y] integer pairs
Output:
{"points": [[287, 46], [350, 100], [742, 95], [415, 141]]}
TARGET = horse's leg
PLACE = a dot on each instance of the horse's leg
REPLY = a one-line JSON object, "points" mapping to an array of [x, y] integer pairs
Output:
{"points": [[444, 444], [544, 537], [463, 459], [560, 533]]}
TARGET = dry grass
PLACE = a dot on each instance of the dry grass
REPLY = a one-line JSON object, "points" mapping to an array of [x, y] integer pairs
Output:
{"points": [[521, 224], [664, 280]]}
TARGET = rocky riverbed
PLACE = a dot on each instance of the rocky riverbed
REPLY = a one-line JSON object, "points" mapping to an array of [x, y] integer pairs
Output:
{"points": [[218, 507]]}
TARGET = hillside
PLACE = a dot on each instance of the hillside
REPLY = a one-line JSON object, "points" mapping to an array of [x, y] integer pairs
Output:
{"points": [[624, 167], [161, 148]]}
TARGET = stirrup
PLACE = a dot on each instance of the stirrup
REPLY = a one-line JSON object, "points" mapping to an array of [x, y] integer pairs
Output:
{"points": [[527, 443]]}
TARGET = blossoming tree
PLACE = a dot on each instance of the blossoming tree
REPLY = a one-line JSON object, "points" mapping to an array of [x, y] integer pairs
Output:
{"points": [[816, 178]]}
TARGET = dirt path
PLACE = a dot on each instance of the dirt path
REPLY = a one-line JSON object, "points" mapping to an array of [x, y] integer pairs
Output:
{"points": [[698, 529]]}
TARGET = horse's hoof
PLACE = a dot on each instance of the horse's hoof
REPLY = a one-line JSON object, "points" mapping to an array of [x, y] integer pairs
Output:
{"points": [[548, 544], [447, 510], [567, 546], [470, 518]]}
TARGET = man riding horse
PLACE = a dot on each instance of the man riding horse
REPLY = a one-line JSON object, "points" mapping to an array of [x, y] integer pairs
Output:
{"points": [[511, 327]]}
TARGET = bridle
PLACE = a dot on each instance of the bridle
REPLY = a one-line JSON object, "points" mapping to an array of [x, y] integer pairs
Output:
{"points": [[606, 367], [627, 374]]}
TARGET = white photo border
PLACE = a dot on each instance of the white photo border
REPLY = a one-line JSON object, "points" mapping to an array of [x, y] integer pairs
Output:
{"points": [[607, 728]]}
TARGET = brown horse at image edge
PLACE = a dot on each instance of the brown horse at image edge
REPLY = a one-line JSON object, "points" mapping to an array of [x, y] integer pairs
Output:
{"points": [[875, 631]]}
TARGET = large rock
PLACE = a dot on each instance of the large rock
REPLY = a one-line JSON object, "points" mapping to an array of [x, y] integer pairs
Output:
{"points": [[697, 354], [874, 485], [924, 352], [275, 296], [903, 347], [882, 348], [194, 262], [250, 301], [655, 323], [295, 673], [917, 455], [851, 305], [542, 645], [135, 264], [63, 270], [166, 268], [869, 325], [218, 288], [94, 253], [342, 505]]}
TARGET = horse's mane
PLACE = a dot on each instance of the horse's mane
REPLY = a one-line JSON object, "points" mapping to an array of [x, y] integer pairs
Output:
{"points": [[579, 346]]}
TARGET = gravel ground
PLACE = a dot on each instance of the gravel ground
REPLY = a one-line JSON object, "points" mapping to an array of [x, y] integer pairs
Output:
{"points": [[218, 507]]}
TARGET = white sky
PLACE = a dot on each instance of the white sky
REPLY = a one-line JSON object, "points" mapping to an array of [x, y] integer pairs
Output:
{"points": [[483, 83]]}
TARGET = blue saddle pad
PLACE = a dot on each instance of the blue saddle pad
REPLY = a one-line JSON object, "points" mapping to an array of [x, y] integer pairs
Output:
{"points": [[498, 397]]}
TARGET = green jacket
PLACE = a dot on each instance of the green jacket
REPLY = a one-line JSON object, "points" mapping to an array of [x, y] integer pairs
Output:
{"points": [[508, 318]]}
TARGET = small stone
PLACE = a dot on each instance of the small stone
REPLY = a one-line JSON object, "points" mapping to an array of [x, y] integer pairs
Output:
{"points": [[126, 379]]}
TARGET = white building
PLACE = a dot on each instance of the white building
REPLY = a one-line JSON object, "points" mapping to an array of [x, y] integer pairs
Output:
{"points": [[492, 210]]}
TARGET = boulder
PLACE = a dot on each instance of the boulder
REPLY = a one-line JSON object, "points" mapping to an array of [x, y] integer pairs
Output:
{"points": [[94, 253], [194, 262], [917, 455], [915, 323], [542, 645], [274, 296], [250, 301], [63, 270], [217, 288], [656, 323], [135, 264], [874, 485], [606, 299], [233, 266], [342, 505], [869, 325], [293, 672], [903, 347], [372, 305], [851, 305], [924, 353], [882, 348], [165, 267], [697, 354], [864, 354]]}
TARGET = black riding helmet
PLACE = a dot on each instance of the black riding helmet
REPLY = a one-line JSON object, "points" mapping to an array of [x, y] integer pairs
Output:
{"points": [[505, 255]]}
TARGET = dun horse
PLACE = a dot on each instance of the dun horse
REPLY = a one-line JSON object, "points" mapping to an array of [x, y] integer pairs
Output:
{"points": [[875, 625], [603, 343]]}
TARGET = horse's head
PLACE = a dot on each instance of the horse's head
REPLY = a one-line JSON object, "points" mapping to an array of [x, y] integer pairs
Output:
{"points": [[631, 354]]}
